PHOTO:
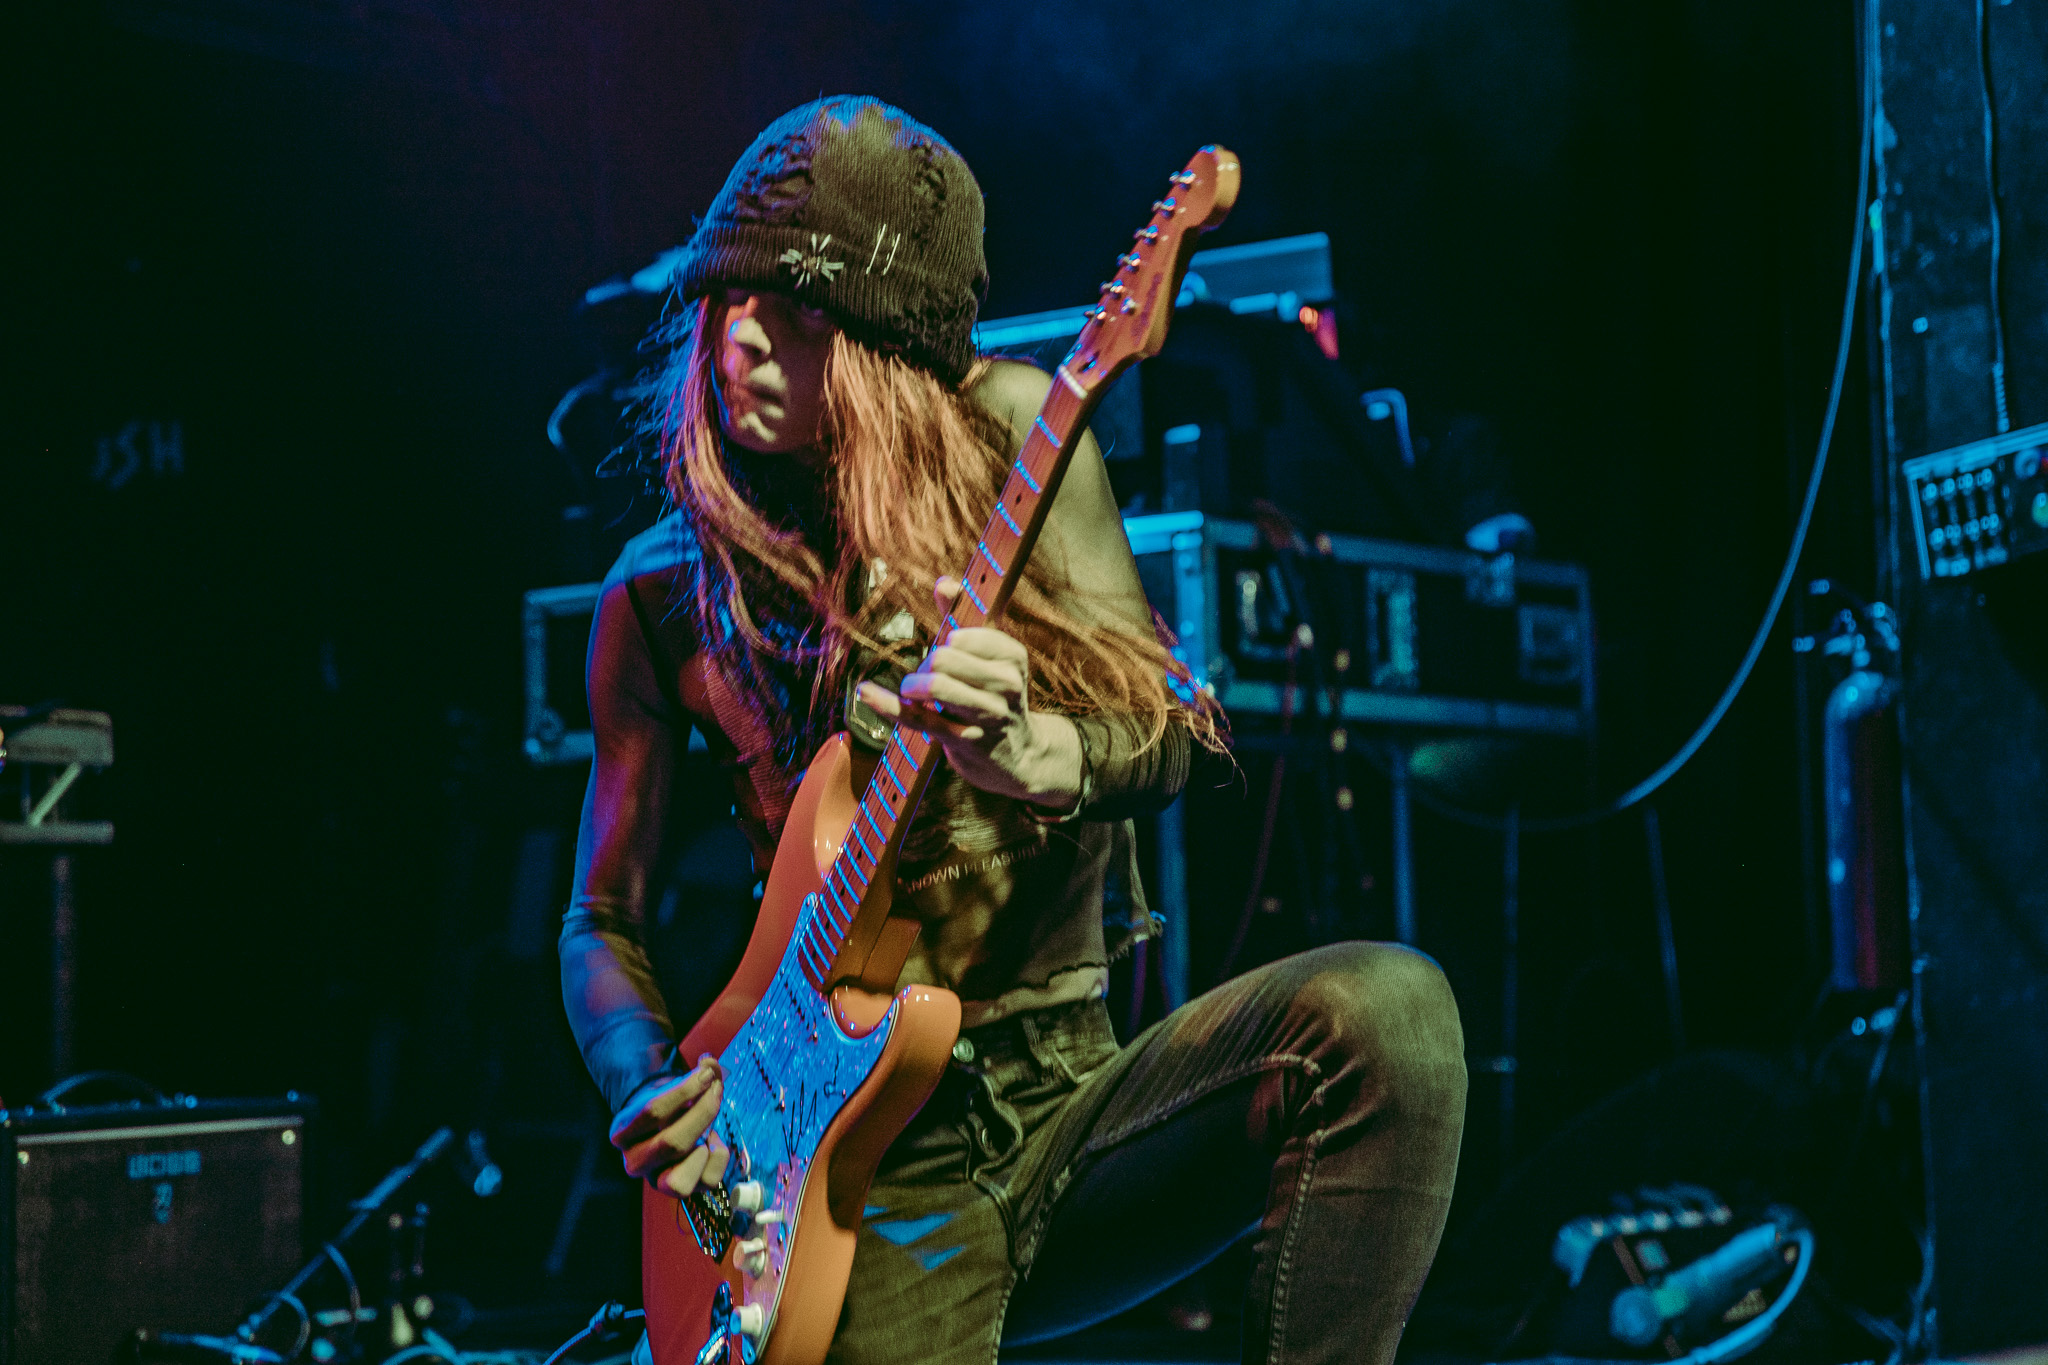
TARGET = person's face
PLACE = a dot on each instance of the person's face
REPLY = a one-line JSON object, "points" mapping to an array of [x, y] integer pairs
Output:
{"points": [[771, 369]]}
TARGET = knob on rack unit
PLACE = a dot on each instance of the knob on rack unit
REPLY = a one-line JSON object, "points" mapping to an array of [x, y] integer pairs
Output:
{"points": [[1980, 505]]}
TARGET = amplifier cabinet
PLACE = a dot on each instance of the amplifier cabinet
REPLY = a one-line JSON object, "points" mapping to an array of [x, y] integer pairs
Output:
{"points": [[1421, 637], [174, 1217]]}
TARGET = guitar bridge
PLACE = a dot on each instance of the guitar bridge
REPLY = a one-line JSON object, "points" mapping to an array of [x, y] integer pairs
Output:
{"points": [[709, 1211]]}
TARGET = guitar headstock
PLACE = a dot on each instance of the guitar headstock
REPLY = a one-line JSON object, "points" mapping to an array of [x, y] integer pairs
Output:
{"points": [[1130, 321]]}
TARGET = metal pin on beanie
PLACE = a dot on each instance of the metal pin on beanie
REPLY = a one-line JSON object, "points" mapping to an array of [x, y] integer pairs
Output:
{"points": [[850, 205], [816, 263]]}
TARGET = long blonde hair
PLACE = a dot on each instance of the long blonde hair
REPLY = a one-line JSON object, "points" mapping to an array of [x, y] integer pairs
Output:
{"points": [[916, 467]]}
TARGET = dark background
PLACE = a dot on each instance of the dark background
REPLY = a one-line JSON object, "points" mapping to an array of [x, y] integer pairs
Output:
{"points": [[340, 247]]}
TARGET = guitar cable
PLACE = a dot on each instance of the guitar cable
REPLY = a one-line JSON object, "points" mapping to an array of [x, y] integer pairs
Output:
{"points": [[608, 1319]]}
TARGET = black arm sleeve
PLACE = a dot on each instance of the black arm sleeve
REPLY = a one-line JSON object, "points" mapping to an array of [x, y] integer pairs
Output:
{"points": [[1125, 782]]}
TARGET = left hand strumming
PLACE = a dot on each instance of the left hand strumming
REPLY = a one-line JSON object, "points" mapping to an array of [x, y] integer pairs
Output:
{"points": [[973, 694]]}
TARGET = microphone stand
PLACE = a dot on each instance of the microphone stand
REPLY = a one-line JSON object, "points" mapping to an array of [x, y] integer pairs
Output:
{"points": [[365, 1209]]}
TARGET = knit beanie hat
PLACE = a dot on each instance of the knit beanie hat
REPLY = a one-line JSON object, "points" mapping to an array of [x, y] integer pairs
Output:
{"points": [[852, 206]]}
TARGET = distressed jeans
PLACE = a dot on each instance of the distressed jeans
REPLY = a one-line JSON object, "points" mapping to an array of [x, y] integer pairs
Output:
{"points": [[1314, 1105]]}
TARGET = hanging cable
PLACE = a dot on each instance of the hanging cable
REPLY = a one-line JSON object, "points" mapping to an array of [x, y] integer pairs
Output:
{"points": [[1276, 781], [1867, 78], [1991, 196]]}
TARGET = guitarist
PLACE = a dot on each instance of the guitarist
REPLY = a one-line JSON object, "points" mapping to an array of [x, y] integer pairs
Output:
{"points": [[830, 444]]}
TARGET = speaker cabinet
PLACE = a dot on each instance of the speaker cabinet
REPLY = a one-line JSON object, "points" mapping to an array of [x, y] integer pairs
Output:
{"points": [[173, 1217]]}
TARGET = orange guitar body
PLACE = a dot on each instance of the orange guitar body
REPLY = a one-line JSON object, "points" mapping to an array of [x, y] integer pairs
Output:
{"points": [[679, 1279]]}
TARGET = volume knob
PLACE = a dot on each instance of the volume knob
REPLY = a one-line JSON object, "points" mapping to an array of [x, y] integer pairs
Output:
{"points": [[751, 1320], [751, 1256], [748, 1196]]}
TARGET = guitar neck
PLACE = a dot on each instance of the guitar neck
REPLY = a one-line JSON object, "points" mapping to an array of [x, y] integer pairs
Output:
{"points": [[1128, 324], [910, 756], [1012, 530]]}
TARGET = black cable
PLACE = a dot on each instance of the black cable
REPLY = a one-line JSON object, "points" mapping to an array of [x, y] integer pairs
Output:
{"points": [[1917, 1330], [607, 1319], [1867, 1102], [134, 1085], [571, 1344], [1667, 942], [1275, 781], [305, 1322], [422, 1352], [1900, 1335], [1665, 772], [355, 1294], [1991, 197]]}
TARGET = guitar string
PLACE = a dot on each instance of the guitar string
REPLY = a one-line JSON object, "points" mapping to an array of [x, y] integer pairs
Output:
{"points": [[831, 935]]}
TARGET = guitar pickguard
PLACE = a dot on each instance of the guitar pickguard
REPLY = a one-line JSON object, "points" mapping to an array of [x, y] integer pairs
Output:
{"points": [[788, 1072]]}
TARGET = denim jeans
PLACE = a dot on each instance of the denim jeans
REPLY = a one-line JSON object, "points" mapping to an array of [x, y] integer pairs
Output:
{"points": [[1314, 1105]]}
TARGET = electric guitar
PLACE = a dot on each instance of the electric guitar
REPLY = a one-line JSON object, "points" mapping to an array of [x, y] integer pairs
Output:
{"points": [[825, 1062]]}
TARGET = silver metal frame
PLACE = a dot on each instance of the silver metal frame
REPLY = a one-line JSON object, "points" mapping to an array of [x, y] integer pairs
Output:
{"points": [[1194, 539], [548, 740]]}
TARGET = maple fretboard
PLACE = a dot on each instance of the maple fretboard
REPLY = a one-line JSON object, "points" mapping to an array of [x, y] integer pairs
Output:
{"points": [[907, 761]]}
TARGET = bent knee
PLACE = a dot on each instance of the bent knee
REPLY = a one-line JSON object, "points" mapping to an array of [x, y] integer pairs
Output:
{"points": [[1386, 1000]]}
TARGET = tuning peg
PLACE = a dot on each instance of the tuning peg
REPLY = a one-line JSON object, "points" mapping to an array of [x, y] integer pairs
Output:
{"points": [[1113, 288], [1182, 178], [1164, 205], [1131, 261], [1147, 233]]}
